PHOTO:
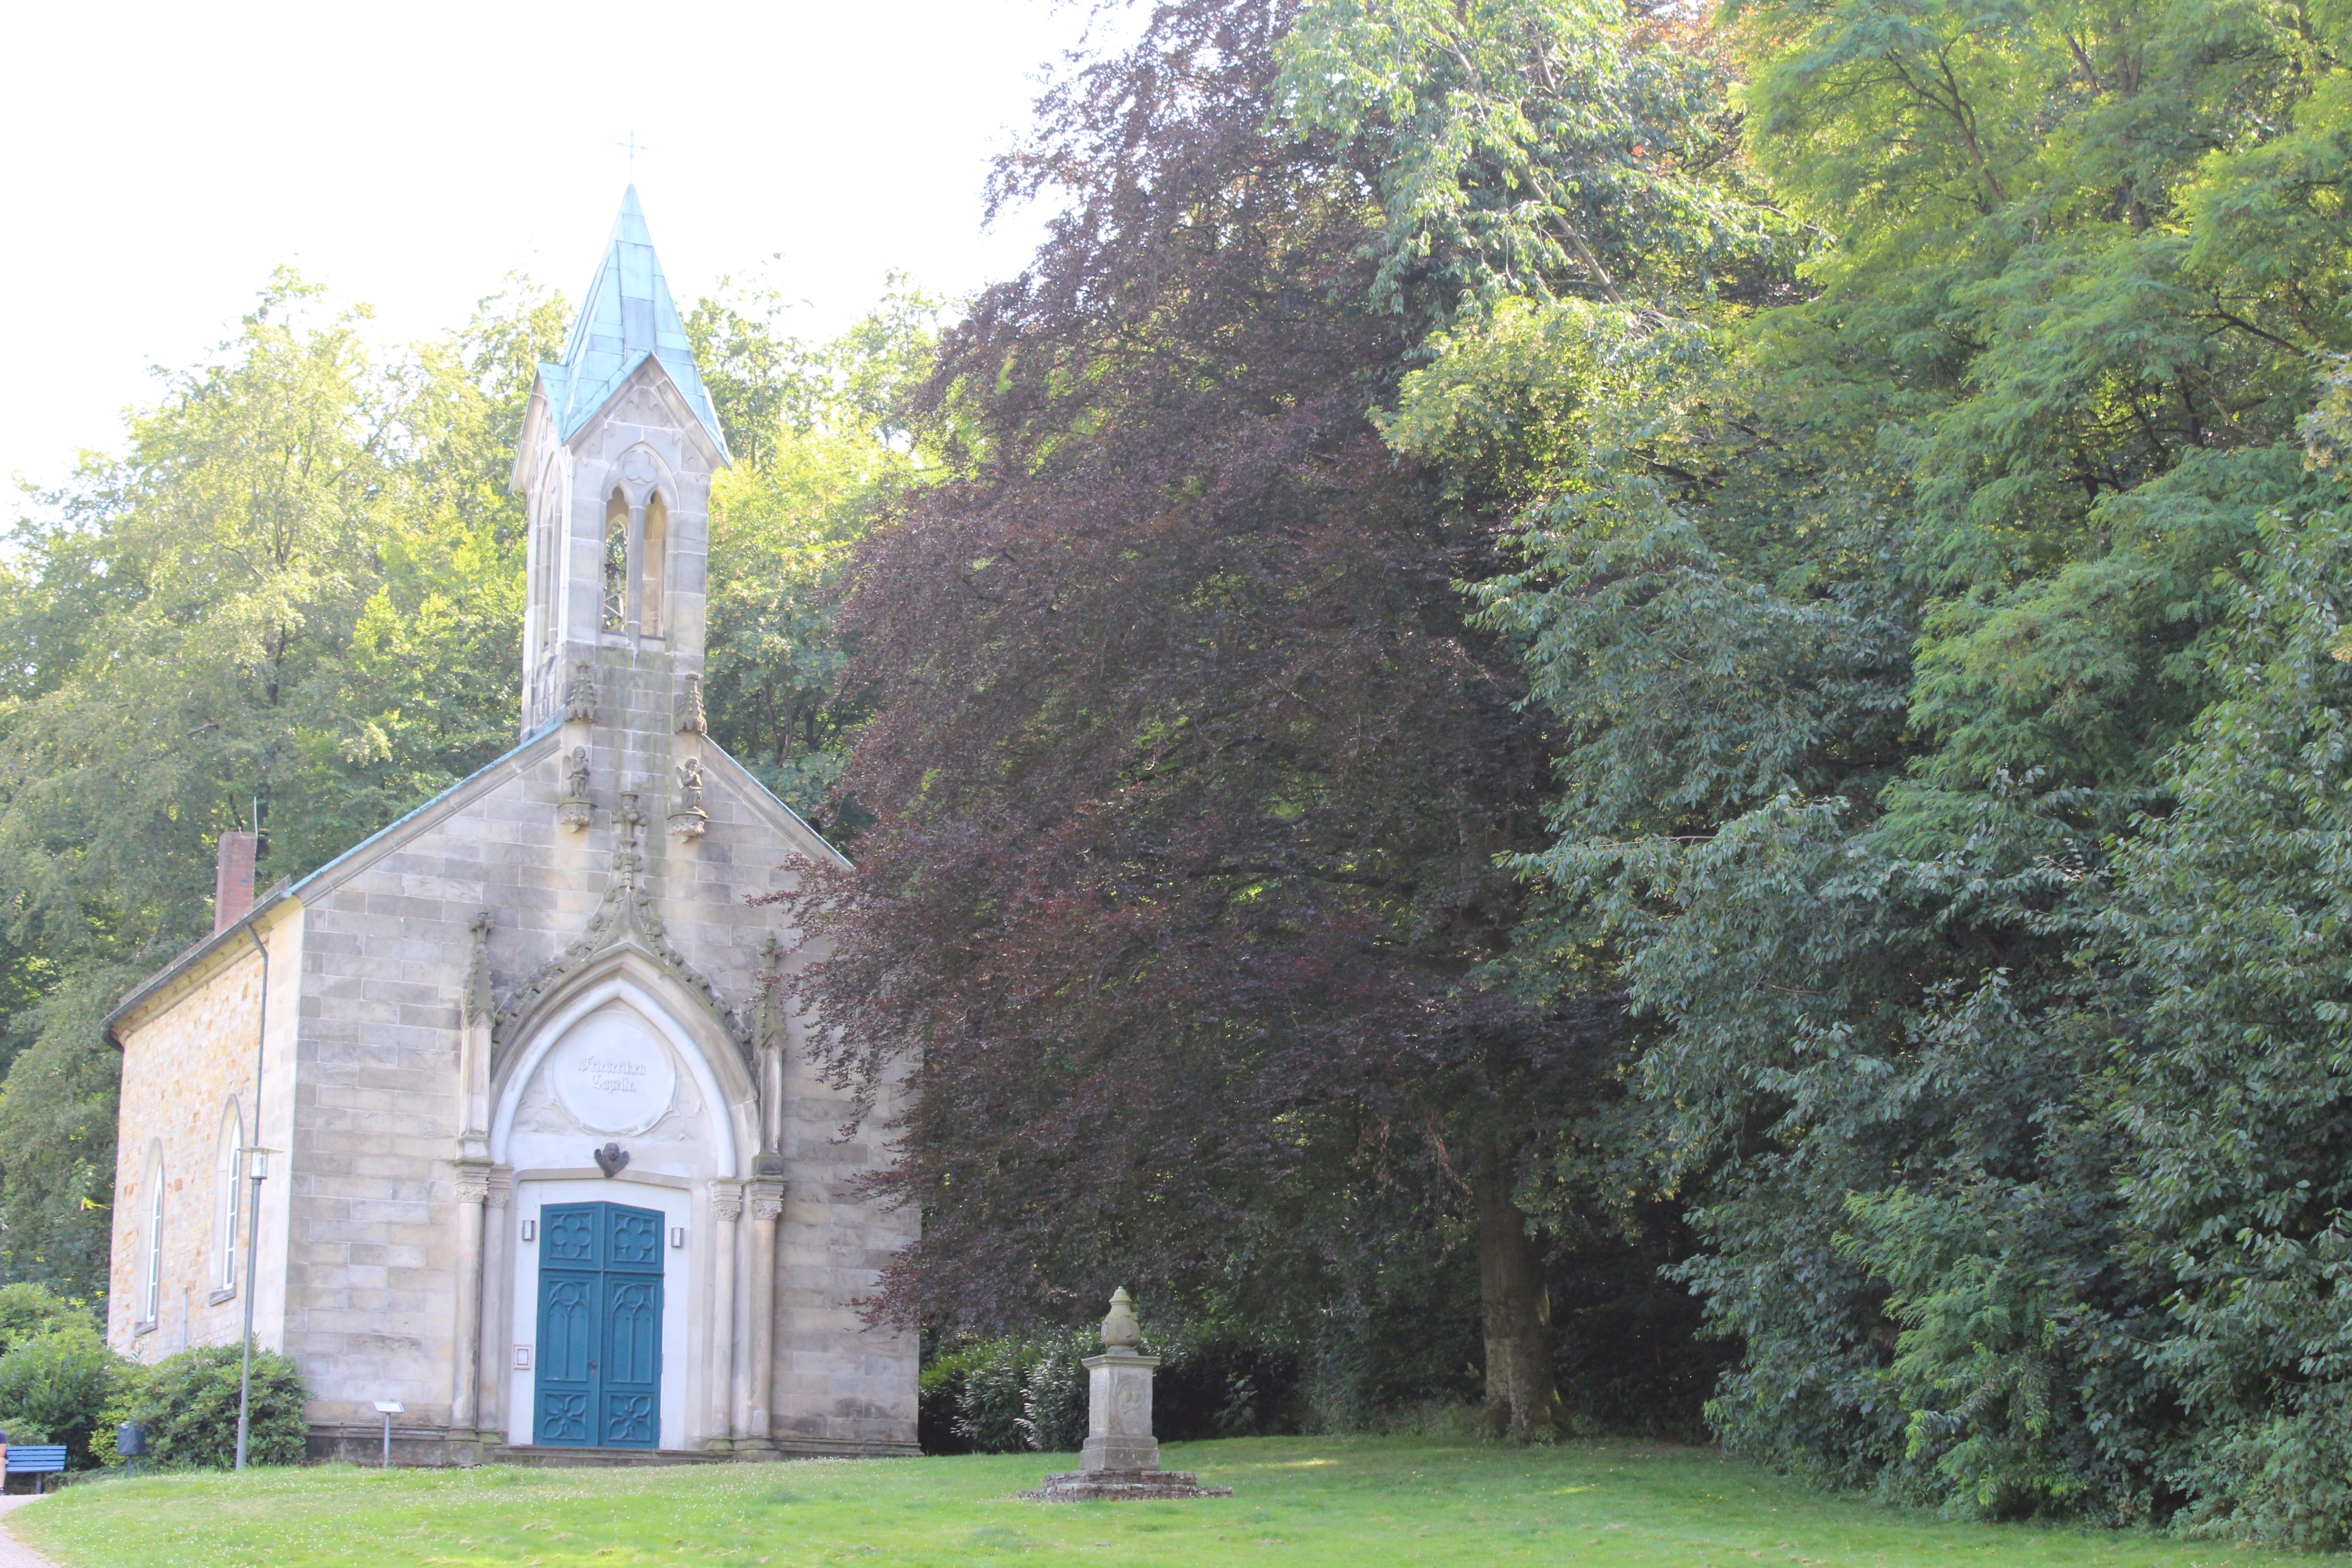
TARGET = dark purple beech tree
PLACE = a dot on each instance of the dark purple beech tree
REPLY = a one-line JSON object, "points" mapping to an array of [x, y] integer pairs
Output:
{"points": [[1191, 774]]}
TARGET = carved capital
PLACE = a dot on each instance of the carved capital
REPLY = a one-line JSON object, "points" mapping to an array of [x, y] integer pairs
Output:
{"points": [[501, 1186], [767, 1197], [727, 1200], [473, 1181]]}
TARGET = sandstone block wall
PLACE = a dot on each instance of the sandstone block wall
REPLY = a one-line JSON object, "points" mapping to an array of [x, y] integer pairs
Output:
{"points": [[187, 1056]]}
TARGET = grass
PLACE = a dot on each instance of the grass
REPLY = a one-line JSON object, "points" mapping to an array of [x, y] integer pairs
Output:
{"points": [[1299, 1502]]}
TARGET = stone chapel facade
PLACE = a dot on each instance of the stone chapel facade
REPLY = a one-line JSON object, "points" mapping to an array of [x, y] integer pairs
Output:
{"points": [[548, 1164]]}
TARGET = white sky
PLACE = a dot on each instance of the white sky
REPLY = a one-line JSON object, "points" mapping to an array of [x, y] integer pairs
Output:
{"points": [[411, 154]]}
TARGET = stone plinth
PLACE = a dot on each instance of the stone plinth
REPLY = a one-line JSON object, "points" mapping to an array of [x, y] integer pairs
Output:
{"points": [[1123, 1486], [1118, 1413]]}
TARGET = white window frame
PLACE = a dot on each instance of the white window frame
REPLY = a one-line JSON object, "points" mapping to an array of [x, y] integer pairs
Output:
{"points": [[232, 1191], [153, 1297]]}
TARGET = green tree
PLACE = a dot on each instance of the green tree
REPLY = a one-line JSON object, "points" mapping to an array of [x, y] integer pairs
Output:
{"points": [[2230, 917], [289, 602], [821, 453], [1869, 620]]}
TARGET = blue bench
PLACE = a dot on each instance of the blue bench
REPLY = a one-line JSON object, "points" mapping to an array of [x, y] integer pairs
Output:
{"points": [[37, 1459]]}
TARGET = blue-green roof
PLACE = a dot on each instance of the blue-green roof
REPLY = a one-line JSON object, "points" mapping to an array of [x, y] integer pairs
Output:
{"points": [[627, 315]]}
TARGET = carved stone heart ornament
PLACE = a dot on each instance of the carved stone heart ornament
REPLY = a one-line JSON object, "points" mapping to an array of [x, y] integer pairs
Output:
{"points": [[611, 1157]]}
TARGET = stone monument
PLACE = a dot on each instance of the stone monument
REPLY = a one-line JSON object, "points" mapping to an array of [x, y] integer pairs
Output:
{"points": [[1121, 1458]]}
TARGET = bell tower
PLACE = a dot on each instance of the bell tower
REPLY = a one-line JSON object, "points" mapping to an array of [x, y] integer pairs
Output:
{"points": [[614, 465]]}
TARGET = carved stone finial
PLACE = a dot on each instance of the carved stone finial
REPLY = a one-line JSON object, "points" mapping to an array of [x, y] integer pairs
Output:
{"points": [[477, 971], [690, 721], [768, 1020], [580, 695], [1120, 1331]]}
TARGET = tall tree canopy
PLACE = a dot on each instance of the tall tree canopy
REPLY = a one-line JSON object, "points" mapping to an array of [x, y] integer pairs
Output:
{"points": [[1196, 781]]}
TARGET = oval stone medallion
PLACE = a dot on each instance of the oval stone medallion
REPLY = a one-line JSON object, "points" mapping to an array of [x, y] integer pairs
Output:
{"points": [[612, 1074]]}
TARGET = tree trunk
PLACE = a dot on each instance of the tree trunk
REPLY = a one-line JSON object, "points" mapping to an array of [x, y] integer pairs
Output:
{"points": [[1522, 1400]]}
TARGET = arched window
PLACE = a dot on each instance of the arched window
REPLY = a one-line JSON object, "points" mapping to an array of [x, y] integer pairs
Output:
{"points": [[152, 1295], [655, 551], [616, 561], [230, 1201], [550, 566]]}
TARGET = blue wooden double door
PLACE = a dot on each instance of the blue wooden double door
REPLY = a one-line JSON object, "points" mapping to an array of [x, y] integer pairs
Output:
{"points": [[600, 1322]]}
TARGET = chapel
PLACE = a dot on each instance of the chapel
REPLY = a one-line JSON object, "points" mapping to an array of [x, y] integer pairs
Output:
{"points": [[544, 1163]]}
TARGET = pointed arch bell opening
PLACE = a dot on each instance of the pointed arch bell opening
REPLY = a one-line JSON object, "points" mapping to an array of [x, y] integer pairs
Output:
{"points": [[616, 561]]}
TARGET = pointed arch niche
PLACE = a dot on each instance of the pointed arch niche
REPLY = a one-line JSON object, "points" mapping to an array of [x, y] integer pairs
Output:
{"points": [[622, 1055]]}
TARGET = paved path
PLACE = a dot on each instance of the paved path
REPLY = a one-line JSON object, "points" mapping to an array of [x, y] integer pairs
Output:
{"points": [[13, 1553]]}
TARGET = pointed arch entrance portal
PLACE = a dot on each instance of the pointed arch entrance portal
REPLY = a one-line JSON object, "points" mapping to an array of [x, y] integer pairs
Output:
{"points": [[600, 1327]]}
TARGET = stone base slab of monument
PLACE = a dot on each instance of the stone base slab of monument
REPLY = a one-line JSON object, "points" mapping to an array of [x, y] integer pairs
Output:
{"points": [[1123, 1486], [1121, 1458]]}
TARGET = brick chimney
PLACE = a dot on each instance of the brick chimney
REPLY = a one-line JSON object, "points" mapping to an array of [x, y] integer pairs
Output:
{"points": [[233, 884]]}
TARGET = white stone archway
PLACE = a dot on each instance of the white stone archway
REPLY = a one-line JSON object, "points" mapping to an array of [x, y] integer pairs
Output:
{"points": [[622, 1055]]}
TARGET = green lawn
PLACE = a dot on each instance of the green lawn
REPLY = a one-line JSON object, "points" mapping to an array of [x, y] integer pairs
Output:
{"points": [[1387, 1503]]}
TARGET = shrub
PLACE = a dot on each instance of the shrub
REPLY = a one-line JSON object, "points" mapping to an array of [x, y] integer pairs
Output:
{"points": [[29, 1311], [1053, 1402], [187, 1403], [989, 1403], [57, 1387], [1014, 1395]]}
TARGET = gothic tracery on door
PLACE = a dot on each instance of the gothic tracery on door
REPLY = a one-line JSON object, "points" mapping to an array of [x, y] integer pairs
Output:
{"points": [[600, 1327]]}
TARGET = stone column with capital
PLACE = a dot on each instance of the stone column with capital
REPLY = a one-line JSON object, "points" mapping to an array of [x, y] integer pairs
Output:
{"points": [[766, 1194], [472, 1192], [727, 1361], [497, 1293]]}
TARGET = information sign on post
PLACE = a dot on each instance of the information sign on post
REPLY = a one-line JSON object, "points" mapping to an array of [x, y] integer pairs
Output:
{"points": [[388, 1408]]}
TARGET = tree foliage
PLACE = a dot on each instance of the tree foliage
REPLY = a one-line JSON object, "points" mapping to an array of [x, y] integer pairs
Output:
{"points": [[291, 602]]}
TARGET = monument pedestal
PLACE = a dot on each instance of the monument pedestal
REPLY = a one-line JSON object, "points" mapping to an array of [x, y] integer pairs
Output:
{"points": [[1120, 1460]]}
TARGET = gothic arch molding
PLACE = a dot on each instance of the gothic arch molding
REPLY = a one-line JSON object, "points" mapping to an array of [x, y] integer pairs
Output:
{"points": [[626, 975]]}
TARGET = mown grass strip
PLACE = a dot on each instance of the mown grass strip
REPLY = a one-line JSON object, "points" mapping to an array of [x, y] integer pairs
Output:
{"points": [[1300, 1502]]}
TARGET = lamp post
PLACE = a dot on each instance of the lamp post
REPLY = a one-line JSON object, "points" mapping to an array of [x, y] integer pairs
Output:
{"points": [[258, 1167]]}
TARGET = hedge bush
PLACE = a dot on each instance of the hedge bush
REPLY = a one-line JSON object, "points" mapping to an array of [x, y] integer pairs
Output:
{"points": [[187, 1403], [1013, 1395], [57, 1375]]}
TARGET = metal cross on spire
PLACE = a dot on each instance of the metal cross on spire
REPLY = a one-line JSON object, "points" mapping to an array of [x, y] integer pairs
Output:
{"points": [[633, 147]]}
